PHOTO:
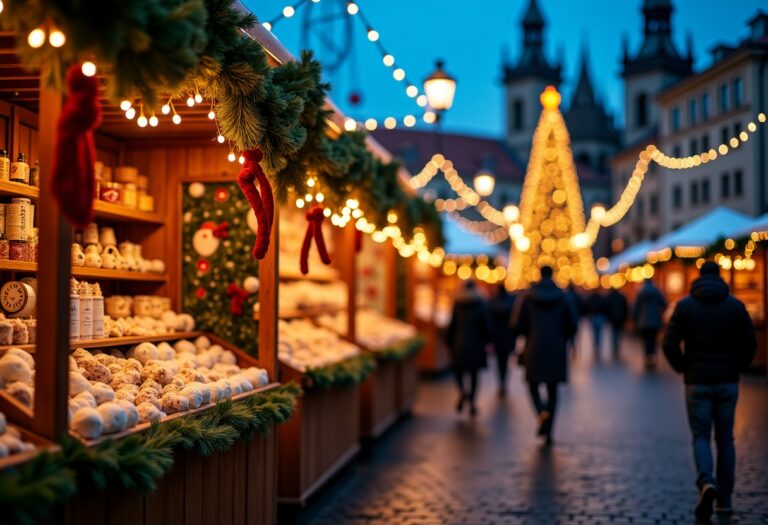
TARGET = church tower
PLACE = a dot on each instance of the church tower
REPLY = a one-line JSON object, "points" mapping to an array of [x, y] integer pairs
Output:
{"points": [[656, 65], [525, 81]]}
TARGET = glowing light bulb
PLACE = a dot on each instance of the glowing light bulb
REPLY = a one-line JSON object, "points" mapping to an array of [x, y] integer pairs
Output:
{"points": [[311, 183], [299, 203], [373, 35], [88, 69], [421, 100], [1, 6], [125, 105], [430, 117], [211, 115], [36, 38], [153, 121], [56, 38], [409, 121], [241, 159], [130, 113], [388, 60], [267, 26], [165, 109], [390, 122], [350, 124], [288, 11], [198, 98], [231, 157], [371, 124], [176, 119], [352, 8], [398, 74], [142, 121], [220, 138], [411, 91], [190, 101], [319, 197]]}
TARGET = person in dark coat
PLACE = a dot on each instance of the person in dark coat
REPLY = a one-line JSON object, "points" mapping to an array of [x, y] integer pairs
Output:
{"points": [[501, 306], [596, 310], [547, 320], [468, 333], [617, 311], [719, 340], [648, 316], [578, 308]]}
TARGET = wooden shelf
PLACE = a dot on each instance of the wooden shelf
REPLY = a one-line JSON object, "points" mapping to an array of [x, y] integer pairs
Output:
{"points": [[17, 189], [305, 313], [120, 213], [91, 273], [291, 275], [115, 341]]}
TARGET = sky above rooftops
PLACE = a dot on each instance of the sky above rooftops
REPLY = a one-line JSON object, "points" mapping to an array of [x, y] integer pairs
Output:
{"points": [[472, 37]]}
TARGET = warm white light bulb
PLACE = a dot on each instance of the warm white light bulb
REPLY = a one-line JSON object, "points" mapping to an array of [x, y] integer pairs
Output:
{"points": [[220, 138], [57, 38], [430, 117], [388, 60], [36, 38], [390, 122], [350, 124], [211, 115], [373, 35], [2, 6], [165, 109], [371, 124], [125, 105], [88, 69], [190, 102], [399, 73], [231, 157], [352, 8], [153, 121], [412, 91], [198, 98], [142, 121], [409, 121], [267, 26], [130, 113], [288, 11], [421, 100], [176, 119], [241, 159]]}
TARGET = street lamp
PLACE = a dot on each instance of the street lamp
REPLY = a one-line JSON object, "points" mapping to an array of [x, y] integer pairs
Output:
{"points": [[484, 183], [440, 87]]}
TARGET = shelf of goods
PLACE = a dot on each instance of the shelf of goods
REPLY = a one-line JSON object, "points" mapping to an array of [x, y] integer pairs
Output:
{"points": [[83, 272], [324, 433], [389, 392]]}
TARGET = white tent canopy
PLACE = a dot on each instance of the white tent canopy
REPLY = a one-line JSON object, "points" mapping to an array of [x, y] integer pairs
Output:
{"points": [[635, 254], [461, 242], [759, 224]]}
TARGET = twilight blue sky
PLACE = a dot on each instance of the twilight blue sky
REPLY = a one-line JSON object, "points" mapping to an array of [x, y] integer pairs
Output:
{"points": [[471, 36]]}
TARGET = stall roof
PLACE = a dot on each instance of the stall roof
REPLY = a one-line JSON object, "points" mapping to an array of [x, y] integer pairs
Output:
{"points": [[759, 224], [635, 254], [706, 229], [461, 242]]}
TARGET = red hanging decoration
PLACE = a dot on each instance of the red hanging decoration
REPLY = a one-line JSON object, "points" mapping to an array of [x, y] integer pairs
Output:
{"points": [[358, 241], [237, 297], [75, 153], [314, 230], [221, 231], [261, 200]]}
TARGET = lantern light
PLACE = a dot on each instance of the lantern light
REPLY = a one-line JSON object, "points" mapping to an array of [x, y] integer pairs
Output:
{"points": [[88, 69], [484, 183], [440, 88], [36, 38]]}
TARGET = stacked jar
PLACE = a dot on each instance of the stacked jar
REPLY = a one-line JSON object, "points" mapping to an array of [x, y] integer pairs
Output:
{"points": [[128, 177], [19, 222]]}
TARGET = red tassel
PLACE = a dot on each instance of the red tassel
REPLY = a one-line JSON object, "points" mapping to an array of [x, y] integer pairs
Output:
{"points": [[245, 179], [74, 156], [237, 297], [314, 229], [319, 239], [358, 241], [265, 188], [304, 257]]}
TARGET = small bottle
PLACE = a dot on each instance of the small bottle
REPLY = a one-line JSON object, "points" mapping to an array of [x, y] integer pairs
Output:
{"points": [[5, 166], [34, 174], [20, 170], [74, 310], [86, 312], [98, 312]]}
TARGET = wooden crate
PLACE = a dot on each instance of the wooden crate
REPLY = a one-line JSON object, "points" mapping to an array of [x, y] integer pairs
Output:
{"points": [[407, 383], [379, 399]]}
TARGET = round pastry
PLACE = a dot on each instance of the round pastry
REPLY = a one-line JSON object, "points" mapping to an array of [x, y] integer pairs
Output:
{"points": [[113, 416], [78, 383], [173, 402], [102, 392], [88, 423], [14, 368], [149, 412], [131, 413], [22, 354]]}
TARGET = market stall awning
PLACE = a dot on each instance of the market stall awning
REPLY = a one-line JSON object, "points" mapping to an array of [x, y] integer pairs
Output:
{"points": [[705, 230], [758, 224], [458, 241], [633, 255]]}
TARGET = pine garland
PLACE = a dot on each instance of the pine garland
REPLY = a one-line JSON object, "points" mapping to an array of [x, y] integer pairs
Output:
{"points": [[138, 461], [401, 350], [348, 372]]}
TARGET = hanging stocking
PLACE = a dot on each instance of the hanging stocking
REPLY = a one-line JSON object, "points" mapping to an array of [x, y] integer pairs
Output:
{"points": [[237, 297], [74, 153], [261, 202], [314, 230]]}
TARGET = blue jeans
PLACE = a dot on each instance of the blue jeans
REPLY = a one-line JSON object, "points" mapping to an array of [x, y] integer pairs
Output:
{"points": [[716, 404]]}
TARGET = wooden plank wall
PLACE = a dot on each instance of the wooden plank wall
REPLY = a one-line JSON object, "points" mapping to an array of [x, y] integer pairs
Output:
{"points": [[378, 399]]}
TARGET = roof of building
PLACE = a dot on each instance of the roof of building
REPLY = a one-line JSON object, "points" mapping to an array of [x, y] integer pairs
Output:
{"points": [[459, 241], [533, 62], [706, 229], [533, 16], [587, 117]]}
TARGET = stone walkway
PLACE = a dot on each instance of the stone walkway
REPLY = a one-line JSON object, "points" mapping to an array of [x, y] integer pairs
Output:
{"points": [[621, 456]]}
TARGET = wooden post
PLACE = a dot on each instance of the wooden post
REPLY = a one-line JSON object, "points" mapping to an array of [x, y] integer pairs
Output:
{"points": [[51, 379], [346, 261], [390, 280], [269, 276]]}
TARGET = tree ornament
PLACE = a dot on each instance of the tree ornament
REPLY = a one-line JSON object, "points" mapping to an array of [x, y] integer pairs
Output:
{"points": [[207, 239], [251, 284], [314, 230], [75, 153], [237, 297], [196, 190], [261, 200]]}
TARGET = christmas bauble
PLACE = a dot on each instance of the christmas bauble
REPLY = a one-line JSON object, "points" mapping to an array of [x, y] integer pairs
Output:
{"points": [[251, 284], [204, 242], [196, 190]]}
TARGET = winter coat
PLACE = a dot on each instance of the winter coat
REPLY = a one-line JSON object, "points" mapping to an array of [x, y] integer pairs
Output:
{"points": [[501, 313], [717, 332], [547, 320], [469, 331], [617, 308], [596, 304], [576, 301], [649, 308]]}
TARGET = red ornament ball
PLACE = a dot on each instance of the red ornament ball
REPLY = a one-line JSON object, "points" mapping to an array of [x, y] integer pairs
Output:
{"points": [[355, 98], [203, 265], [200, 293], [221, 194]]}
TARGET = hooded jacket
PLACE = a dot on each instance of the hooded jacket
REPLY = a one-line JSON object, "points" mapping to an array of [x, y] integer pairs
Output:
{"points": [[649, 308], [547, 320], [716, 331], [469, 331]]}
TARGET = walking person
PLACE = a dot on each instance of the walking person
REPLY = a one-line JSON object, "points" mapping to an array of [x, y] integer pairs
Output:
{"points": [[501, 306], [648, 315], [547, 320], [578, 308], [719, 342], [596, 308], [617, 311], [468, 333]]}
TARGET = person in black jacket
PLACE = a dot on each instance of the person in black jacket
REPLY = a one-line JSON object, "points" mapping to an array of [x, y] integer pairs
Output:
{"points": [[501, 306], [547, 320], [597, 309], [617, 311], [468, 333], [719, 341], [649, 316]]}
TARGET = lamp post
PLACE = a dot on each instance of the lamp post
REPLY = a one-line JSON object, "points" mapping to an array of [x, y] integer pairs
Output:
{"points": [[440, 88]]}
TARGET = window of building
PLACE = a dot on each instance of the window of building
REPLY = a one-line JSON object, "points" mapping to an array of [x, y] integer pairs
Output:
{"points": [[692, 111], [738, 91], [583, 158], [738, 183], [517, 114], [736, 129], [675, 118], [693, 147], [677, 151], [704, 106], [723, 98], [677, 196], [705, 142], [694, 193], [640, 205], [654, 204], [705, 191], [724, 135], [725, 186], [641, 110]]}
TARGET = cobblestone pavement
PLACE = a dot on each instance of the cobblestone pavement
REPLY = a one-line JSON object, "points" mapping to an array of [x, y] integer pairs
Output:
{"points": [[621, 456]]}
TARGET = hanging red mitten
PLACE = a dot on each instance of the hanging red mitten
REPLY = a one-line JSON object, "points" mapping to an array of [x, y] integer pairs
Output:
{"points": [[314, 230], [75, 153], [237, 297], [261, 203]]}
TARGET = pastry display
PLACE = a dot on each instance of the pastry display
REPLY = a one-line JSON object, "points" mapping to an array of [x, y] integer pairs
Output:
{"points": [[303, 345], [11, 441], [373, 329], [310, 295]]}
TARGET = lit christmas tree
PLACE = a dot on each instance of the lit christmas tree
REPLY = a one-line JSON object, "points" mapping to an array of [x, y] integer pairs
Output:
{"points": [[551, 227]]}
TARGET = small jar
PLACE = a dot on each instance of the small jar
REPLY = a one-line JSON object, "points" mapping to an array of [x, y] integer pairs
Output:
{"points": [[5, 248], [146, 203], [18, 251], [98, 311], [20, 170], [111, 192], [130, 195], [5, 166], [34, 174]]}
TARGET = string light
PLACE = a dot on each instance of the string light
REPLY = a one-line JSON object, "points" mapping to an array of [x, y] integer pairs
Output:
{"points": [[56, 38], [36, 38], [153, 121], [125, 105], [88, 69], [130, 113], [352, 8]]}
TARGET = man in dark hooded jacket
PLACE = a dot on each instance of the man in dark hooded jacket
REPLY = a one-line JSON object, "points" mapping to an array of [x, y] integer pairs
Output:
{"points": [[547, 320], [719, 341]]}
